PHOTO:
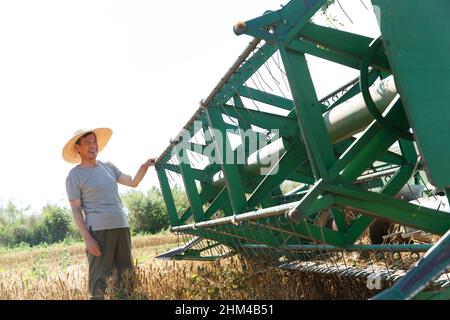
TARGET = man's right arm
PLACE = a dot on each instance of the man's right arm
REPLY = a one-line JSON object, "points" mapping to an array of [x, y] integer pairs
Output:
{"points": [[91, 244]]}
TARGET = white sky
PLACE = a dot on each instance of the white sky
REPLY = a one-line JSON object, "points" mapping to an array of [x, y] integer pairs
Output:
{"points": [[138, 67]]}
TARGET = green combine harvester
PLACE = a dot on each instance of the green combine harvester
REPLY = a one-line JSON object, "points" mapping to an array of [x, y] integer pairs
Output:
{"points": [[274, 172]]}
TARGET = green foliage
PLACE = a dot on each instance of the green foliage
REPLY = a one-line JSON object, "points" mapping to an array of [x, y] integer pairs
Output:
{"points": [[18, 229], [180, 198], [12, 220], [146, 212], [55, 222]]}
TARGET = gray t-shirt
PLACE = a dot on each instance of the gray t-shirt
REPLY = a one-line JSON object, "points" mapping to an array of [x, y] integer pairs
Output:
{"points": [[97, 189]]}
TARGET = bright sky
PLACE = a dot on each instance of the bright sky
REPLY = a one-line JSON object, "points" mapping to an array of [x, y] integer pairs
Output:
{"points": [[138, 67]]}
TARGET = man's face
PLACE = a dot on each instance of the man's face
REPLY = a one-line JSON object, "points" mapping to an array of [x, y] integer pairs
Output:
{"points": [[88, 147]]}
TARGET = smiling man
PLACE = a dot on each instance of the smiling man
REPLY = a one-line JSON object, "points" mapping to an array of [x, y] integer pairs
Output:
{"points": [[96, 206]]}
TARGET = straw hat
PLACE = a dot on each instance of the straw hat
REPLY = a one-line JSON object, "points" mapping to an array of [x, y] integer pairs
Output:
{"points": [[70, 154]]}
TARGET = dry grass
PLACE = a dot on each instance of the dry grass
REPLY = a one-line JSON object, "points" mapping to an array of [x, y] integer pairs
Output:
{"points": [[230, 278], [59, 272]]}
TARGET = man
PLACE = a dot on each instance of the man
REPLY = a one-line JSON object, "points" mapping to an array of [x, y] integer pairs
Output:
{"points": [[92, 191]]}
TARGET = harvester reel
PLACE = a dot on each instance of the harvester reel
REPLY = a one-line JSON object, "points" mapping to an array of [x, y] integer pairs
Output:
{"points": [[359, 162]]}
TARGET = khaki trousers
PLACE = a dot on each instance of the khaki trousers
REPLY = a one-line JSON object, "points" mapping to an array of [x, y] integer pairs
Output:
{"points": [[115, 246]]}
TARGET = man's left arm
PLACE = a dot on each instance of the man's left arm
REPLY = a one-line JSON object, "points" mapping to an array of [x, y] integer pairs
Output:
{"points": [[134, 182]]}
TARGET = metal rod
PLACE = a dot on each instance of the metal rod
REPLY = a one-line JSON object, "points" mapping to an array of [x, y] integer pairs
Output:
{"points": [[375, 175], [348, 84], [356, 247], [252, 215]]}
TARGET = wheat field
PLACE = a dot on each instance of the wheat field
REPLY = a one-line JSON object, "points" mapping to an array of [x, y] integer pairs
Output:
{"points": [[59, 272]]}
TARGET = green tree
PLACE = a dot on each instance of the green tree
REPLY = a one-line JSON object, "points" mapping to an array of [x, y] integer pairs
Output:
{"points": [[11, 214], [12, 225], [146, 212], [53, 225], [180, 198], [56, 223]]}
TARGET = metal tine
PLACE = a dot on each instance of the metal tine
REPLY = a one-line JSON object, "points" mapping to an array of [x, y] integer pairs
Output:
{"points": [[201, 245], [363, 4], [212, 250], [233, 85], [268, 253], [252, 230], [251, 96], [327, 250], [371, 264], [277, 83], [185, 238], [283, 73], [171, 179], [237, 244], [266, 65], [253, 80], [235, 240], [250, 234], [344, 259], [219, 250], [258, 75], [384, 261], [194, 153], [275, 238], [265, 92], [344, 12], [312, 237], [278, 63], [178, 239], [290, 236]]}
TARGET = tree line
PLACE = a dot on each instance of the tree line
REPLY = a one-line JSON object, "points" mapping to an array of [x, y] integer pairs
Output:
{"points": [[146, 214]]}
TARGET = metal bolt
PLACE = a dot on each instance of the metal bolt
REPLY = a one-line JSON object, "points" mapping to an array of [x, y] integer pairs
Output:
{"points": [[239, 28]]}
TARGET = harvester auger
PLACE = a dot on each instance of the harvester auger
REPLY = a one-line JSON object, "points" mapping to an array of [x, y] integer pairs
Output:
{"points": [[370, 155]]}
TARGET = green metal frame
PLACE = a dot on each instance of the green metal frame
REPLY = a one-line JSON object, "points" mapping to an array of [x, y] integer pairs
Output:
{"points": [[329, 171]]}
